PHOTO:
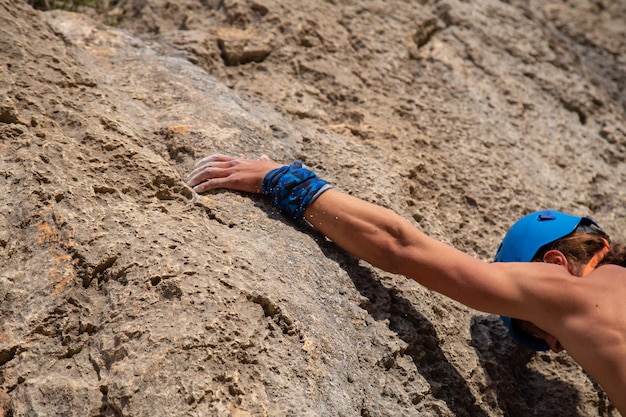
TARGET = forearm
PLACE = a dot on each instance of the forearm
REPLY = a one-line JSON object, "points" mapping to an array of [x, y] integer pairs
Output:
{"points": [[369, 232]]}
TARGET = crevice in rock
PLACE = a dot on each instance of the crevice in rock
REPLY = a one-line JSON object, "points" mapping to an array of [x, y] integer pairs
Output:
{"points": [[273, 311], [7, 354]]}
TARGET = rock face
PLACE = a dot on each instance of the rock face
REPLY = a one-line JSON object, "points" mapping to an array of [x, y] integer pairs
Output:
{"points": [[123, 294]]}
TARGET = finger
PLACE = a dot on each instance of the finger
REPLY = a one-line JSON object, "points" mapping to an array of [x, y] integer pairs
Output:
{"points": [[214, 158], [264, 158], [209, 165], [221, 161], [202, 187], [204, 174], [211, 184], [205, 160], [196, 172]]}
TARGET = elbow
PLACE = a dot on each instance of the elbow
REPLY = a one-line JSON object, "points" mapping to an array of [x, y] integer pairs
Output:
{"points": [[402, 248], [393, 257], [392, 246]]}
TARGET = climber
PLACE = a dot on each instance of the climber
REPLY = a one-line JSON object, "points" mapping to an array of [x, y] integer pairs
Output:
{"points": [[558, 282]]}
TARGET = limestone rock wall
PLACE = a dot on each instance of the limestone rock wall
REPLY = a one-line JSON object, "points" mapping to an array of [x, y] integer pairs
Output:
{"points": [[123, 294]]}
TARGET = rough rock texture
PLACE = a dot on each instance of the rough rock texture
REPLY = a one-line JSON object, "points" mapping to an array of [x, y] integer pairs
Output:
{"points": [[123, 294]]}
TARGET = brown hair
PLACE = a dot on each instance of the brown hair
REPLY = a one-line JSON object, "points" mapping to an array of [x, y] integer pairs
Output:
{"points": [[615, 256], [580, 248]]}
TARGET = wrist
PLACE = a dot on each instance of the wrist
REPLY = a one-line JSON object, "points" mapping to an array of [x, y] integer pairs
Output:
{"points": [[293, 188]]}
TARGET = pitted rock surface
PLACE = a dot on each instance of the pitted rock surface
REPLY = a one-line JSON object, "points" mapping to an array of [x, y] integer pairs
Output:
{"points": [[122, 293]]}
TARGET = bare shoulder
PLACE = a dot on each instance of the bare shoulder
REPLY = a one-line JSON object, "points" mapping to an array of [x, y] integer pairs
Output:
{"points": [[608, 282], [610, 269], [611, 276], [602, 292]]}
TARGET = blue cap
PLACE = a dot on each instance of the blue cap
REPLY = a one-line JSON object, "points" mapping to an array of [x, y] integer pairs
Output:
{"points": [[532, 232], [521, 243]]}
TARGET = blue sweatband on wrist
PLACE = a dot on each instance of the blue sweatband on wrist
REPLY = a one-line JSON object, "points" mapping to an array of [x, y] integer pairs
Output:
{"points": [[293, 187]]}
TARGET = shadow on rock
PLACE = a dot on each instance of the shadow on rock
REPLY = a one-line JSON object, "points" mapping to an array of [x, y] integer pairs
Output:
{"points": [[6, 407], [521, 392], [412, 327]]}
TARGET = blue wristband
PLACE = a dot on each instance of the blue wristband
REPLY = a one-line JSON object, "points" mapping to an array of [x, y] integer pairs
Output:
{"points": [[293, 188]]}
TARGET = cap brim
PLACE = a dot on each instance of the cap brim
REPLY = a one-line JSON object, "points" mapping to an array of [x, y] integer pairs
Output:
{"points": [[522, 338]]}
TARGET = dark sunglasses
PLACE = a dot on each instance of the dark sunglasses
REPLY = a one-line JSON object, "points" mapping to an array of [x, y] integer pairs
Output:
{"points": [[589, 226]]}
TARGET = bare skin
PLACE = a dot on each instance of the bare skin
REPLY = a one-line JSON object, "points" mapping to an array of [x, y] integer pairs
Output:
{"points": [[585, 316]]}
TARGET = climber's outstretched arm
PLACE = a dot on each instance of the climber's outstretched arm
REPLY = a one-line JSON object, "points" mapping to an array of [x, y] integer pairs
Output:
{"points": [[387, 241]]}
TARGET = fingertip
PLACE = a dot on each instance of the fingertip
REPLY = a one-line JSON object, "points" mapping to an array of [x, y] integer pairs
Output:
{"points": [[204, 186], [198, 189], [203, 160], [191, 180]]}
